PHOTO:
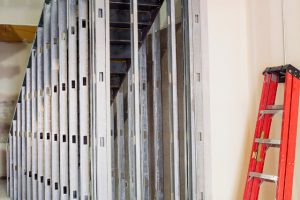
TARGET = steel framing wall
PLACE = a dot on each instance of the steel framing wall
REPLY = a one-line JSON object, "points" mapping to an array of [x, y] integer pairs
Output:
{"points": [[73, 137]]}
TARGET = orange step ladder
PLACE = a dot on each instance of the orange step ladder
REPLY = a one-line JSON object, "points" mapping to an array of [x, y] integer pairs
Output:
{"points": [[289, 76]]}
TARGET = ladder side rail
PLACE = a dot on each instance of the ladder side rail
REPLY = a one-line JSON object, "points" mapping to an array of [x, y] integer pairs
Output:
{"points": [[284, 136], [292, 140], [264, 134], [262, 106]]}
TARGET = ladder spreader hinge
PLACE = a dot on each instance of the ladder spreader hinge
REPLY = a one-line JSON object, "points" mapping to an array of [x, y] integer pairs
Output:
{"points": [[281, 71]]}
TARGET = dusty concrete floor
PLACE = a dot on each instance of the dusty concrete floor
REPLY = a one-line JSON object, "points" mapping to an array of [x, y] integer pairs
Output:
{"points": [[3, 195]]}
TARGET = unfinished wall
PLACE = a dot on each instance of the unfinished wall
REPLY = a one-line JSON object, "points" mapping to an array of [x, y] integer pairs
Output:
{"points": [[244, 38], [13, 59]]}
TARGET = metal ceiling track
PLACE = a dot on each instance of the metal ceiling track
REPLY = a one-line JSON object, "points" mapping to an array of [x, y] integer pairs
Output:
{"points": [[96, 117]]}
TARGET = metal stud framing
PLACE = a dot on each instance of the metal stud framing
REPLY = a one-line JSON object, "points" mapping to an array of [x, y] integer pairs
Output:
{"points": [[172, 65], [15, 160], [28, 134], [63, 100], [131, 137], [11, 163], [40, 113], [157, 107], [113, 164], [121, 145], [84, 83], [68, 140], [47, 102], [101, 105], [55, 101], [194, 126], [144, 121], [73, 98], [19, 143], [7, 167], [34, 124], [92, 93], [23, 138], [136, 84]]}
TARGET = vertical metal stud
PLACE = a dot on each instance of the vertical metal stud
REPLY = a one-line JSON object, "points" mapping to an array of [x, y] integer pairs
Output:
{"points": [[28, 134], [63, 100], [193, 61], [92, 93], [157, 107], [73, 98], [102, 104], [172, 65], [84, 83], [144, 121], [40, 113], [131, 137], [23, 138], [190, 183], [55, 101], [121, 142], [11, 162], [15, 160], [136, 85], [7, 150], [47, 102], [19, 153], [113, 164], [34, 124]]}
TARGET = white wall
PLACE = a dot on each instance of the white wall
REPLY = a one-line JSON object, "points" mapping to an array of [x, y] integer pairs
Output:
{"points": [[244, 37], [20, 12], [13, 62]]}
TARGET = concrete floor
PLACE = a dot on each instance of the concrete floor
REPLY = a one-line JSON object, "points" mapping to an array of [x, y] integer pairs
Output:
{"points": [[3, 195]]}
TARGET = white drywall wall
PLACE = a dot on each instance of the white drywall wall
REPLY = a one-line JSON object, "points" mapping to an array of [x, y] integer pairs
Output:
{"points": [[245, 37], [20, 12], [229, 94], [13, 62]]}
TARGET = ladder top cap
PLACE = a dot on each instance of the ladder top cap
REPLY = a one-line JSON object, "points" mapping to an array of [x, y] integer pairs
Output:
{"points": [[281, 70]]}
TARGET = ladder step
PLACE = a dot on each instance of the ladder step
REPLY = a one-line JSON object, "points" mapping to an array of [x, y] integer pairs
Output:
{"points": [[272, 109], [269, 142], [264, 177]]}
